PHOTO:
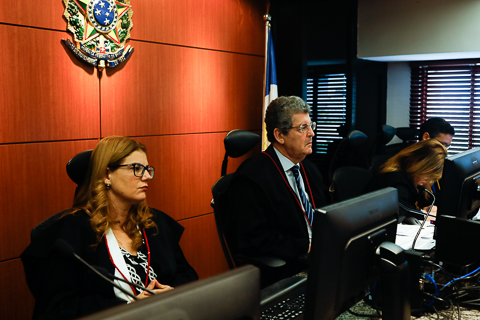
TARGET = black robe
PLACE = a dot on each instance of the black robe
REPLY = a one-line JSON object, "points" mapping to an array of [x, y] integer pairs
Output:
{"points": [[265, 217], [64, 289]]}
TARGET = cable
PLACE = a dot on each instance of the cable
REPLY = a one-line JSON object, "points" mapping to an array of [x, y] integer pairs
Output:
{"points": [[426, 275], [459, 278]]}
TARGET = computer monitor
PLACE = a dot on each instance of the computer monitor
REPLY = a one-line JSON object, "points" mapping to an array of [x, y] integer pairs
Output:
{"points": [[344, 262], [459, 195], [456, 245], [233, 295]]}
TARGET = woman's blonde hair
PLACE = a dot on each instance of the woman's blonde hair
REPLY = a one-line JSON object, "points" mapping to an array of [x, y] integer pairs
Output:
{"points": [[92, 194], [422, 159]]}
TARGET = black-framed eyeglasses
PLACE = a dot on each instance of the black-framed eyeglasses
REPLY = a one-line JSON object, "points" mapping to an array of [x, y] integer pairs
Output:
{"points": [[139, 169], [304, 126]]}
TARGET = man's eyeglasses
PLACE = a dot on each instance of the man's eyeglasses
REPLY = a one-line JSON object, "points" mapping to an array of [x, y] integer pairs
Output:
{"points": [[304, 126], [139, 169], [446, 145]]}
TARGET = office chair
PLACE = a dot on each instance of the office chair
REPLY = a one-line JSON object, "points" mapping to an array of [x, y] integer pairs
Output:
{"points": [[76, 170], [350, 152], [381, 140], [348, 182], [378, 153], [77, 166], [406, 134], [237, 143]]}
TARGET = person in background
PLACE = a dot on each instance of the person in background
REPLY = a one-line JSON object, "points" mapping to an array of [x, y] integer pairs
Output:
{"points": [[441, 130], [273, 194], [438, 129], [409, 171], [111, 226]]}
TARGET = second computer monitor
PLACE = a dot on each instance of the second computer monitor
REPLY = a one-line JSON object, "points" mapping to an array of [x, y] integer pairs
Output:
{"points": [[343, 258], [458, 194]]}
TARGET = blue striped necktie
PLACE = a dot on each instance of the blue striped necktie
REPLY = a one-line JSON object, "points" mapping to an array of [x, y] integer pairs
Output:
{"points": [[306, 204]]}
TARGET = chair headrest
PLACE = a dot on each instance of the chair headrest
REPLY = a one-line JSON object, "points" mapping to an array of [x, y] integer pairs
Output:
{"points": [[407, 133], [77, 166], [238, 142], [388, 133], [357, 138]]}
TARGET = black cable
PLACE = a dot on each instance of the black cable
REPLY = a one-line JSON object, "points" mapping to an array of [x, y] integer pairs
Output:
{"points": [[434, 297], [435, 265]]}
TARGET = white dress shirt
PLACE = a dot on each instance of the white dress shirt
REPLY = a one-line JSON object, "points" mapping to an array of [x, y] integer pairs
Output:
{"points": [[287, 164]]}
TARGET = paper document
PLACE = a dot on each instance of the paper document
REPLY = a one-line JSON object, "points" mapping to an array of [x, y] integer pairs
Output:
{"points": [[406, 234]]}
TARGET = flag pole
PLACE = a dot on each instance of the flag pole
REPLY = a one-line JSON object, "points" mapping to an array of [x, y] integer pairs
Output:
{"points": [[270, 78]]}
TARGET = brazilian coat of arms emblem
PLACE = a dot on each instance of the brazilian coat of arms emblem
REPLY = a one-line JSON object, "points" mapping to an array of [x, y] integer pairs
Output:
{"points": [[100, 29]]}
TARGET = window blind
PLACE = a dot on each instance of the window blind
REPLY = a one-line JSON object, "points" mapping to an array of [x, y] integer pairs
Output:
{"points": [[450, 91], [326, 95]]}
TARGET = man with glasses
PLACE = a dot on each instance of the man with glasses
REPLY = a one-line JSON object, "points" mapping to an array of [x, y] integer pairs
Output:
{"points": [[439, 129], [273, 194]]}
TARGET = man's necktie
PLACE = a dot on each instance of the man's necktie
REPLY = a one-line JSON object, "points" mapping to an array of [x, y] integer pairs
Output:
{"points": [[306, 204]]}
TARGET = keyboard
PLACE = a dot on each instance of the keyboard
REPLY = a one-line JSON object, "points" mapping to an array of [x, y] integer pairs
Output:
{"points": [[290, 308], [284, 300]]}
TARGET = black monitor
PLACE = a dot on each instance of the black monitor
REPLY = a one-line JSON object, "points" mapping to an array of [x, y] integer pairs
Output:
{"points": [[233, 295], [344, 261], [459, 195]]}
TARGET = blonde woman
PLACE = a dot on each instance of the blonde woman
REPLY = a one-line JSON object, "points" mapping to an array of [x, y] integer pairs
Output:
{"points": [[110, 226], [418, 165]]}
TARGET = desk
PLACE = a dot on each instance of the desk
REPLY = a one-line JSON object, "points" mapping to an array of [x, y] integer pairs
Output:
{"points": [[363, 308]]}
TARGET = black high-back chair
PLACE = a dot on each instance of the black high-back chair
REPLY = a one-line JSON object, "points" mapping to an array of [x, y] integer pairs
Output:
{"points": [[237, 143], [406, 134], [76, 169], [380, 141], [351, 151], [348, 182]]}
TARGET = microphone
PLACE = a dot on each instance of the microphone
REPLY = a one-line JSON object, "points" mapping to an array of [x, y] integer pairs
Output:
{"points": [[422, 188], [68, 251], [112, 277]]}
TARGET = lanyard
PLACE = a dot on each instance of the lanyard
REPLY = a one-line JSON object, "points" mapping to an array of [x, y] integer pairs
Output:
{"points": [[115, 254]]}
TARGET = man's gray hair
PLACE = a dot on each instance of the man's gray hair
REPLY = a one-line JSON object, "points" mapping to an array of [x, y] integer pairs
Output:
{"points": [[280, 112]]}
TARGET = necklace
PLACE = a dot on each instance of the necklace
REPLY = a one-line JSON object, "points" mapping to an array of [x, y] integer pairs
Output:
{"points": [[118, 240], [116, 267]]}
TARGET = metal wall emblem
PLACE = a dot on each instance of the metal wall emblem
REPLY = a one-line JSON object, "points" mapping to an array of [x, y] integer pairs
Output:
{"points": [[100, 29]]}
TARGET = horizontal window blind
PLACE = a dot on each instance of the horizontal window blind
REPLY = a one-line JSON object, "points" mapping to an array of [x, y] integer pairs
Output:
{"points": [[451, 92], [326, 95]]}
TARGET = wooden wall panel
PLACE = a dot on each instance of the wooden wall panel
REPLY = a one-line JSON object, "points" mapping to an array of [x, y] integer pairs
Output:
{"points": [[186, 167], [201, 246], [172, 90], [34, 186], [43, 14], [16, 301], [48, 95], [227, 25], [196, 73]]}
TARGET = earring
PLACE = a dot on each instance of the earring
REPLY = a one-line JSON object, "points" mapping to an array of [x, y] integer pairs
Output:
{"points": [[108, 185]]}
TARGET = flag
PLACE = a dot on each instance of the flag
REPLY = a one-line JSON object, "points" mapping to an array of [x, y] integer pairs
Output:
{"points": [[270, 81]]}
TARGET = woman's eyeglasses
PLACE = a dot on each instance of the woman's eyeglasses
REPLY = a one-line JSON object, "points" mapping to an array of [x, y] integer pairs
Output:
{"points": [[139, 169]]}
